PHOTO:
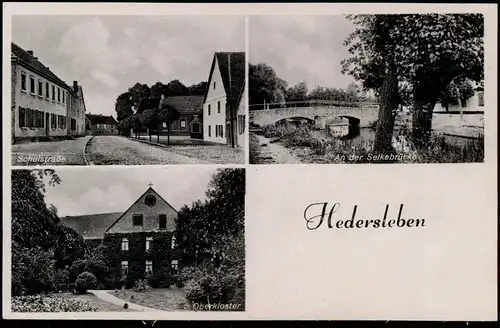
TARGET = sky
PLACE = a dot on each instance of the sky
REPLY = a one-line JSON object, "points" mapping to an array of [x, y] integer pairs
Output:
{"points": [[302, 48], [103, 190], [109, 54]]}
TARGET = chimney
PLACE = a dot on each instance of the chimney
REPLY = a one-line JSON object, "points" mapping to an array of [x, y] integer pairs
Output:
{"points": [[30, 52], [75, 86]]}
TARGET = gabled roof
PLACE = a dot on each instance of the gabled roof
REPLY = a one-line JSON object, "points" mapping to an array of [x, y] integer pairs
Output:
{"points": [[185, 104], [90, 226], [101, 119], [148, 103], [34, 64], [232, 69], [138, 198]]}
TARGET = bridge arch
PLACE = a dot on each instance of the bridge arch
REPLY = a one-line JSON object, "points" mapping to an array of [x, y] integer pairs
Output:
{"points": [[296, 120]]}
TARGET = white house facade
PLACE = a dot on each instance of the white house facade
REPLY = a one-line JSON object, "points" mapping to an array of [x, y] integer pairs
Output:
{"points": [[214, 108], [40, 101]]}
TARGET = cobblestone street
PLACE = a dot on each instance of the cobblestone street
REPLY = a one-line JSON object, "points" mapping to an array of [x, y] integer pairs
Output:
{"points": [[65, 152], [115, 150]]}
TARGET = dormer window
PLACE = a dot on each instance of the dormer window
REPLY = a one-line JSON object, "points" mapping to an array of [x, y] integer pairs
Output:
{"points": [[137, 220]]}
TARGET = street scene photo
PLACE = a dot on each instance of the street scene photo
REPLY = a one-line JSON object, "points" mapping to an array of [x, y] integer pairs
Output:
{"points": [[128, 90], [400, 88], [126, 240]]}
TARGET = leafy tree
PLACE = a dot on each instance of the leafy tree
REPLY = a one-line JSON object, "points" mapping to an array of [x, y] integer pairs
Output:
{"points": [[33, 224], [353, 93], [158, 89], [198, 89], [264, 85], [428, 51], [70, 247], [297, 92], [32, 270], [123, 106], [150, 119], [168, 114], [139, 91], [176, 88]]}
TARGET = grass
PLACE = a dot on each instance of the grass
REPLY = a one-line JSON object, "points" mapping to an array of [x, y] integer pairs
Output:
{"points": [[313, 146], [101, 305], [216, 154], [165, 299]]}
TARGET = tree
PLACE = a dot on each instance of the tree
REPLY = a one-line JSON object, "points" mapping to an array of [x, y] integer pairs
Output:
{"points": [[150, 119], [428, 51], [70, 247], [264, 85], [353, 93], [34, 225], [168, 114], [158, 89], [373, 62], [176, 88], [123, 106], [198, 89], [139, 91], [297, 92]]}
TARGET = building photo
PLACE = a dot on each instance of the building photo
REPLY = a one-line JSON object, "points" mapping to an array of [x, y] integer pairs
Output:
{"points": [[178, 98], [124, 240]]}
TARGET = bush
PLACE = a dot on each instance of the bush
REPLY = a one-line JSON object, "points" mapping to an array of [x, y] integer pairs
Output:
{"points": [[32, 271], [61, 281], [84, 282], [39, 303], [194, 292], [76, 268], [153, 281], [141, 285], [98, 268]]}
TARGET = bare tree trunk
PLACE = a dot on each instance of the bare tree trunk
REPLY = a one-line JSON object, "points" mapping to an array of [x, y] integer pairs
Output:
{"points": [[386, 115], [168, 132]]}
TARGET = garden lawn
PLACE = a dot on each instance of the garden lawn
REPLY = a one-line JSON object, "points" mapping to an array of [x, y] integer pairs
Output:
{"points": [[165, 299]]}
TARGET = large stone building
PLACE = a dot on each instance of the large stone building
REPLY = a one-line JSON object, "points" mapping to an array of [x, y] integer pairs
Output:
{"points": [[42, 105], [139, 241], [224, 102]]}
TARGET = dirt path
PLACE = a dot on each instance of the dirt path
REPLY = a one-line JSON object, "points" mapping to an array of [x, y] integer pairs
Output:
{"points": [[265, 152], [106, 296]]}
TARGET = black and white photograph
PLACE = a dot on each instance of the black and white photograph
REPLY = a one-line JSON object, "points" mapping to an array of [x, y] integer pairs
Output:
{"points": [[128, 239], [128, 90], [397, 88]]}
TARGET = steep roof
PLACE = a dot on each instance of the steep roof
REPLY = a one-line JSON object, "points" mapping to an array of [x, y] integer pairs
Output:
{"points": [[232, 69], [186, 104], [34, 64], [101, 119], [90, 226]]}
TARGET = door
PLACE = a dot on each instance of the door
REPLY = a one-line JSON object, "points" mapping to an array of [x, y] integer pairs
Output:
{"points": [[47, 124]]}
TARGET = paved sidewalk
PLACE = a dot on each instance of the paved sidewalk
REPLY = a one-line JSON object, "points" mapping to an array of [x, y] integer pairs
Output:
{"points": [[105, 295]]}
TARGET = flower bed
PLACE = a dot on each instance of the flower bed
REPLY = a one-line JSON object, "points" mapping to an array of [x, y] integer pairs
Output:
{"points": [[45, 303]]}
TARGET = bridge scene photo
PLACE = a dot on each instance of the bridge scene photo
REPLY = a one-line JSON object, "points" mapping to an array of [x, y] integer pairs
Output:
{"points": [[331, 99]]}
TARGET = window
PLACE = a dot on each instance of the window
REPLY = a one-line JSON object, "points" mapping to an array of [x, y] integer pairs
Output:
{"points": [[149, 241], [149, 267], [53, 93], [162, 218], [209, 130], [124, 244], [137, 220], [47, 90], [40, 88], [173, 242], [53, 121], [32, 85], [218, 107], [221, 131], [480, 96], [175, 265], [23, 81], [22, 117], [58, 95], [209, 109], [183, 124], [150, 200], [124, 268], [214, 85], [63, 97]]}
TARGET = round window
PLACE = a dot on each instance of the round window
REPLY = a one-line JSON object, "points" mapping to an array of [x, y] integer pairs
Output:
{"points": [[150, 200]]}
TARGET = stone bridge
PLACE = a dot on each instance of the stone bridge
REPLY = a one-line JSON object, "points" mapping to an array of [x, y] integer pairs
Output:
{"points": [[363, 116]]}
